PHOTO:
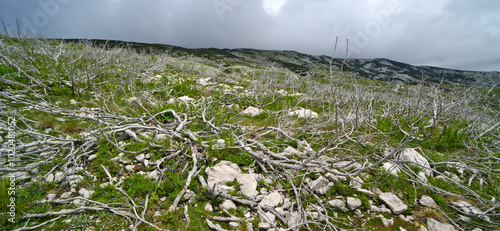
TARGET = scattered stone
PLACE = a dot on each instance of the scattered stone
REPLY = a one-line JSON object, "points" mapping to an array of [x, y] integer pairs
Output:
{"points": [[335, 178], [19, 176], [49, 178], [264, 225], [339, 204], [272, 200], [435, 225], [411, 155], [248, 185], [91, 157], [387, 222], [146, 163], [467, 207], [368, 192], [234, 225], [85, 193], [422, 176], [171, 101], [427, 201], [303, 145], [304, 113], [74, 179], [220, 143], [347, 165], [51, 197], [153, 175], [227, 205], [356, 183], [376, 191], [395, 204], [319, 185], [267, 217], [204, 82], [130, 168], [163, 199], [291, 151], [252, 111], [157, 214], [65, 195], [132, 99], [353, 203], [185, 99], [208, 207], [140, 157], [160, 136], [422, 228], [392, 168], [221, 173], [73, 102], [188, 194]]}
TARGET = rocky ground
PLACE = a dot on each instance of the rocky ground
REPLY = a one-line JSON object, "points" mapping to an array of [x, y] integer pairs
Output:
{"points": [[111, 139]]}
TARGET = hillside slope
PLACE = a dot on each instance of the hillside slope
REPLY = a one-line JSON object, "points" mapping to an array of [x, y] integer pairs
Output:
{"points": [[303, 64], [117, 138]]}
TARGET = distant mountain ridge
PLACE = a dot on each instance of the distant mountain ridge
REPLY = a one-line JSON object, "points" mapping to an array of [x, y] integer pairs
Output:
{"points": [[304, 64]]}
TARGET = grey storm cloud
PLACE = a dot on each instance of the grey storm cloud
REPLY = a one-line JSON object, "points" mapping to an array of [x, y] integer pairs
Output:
{"points": [[459, 34]]}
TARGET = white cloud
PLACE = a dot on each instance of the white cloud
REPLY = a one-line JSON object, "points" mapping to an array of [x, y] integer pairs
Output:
{"points": [[272, 7], [458, 34]]}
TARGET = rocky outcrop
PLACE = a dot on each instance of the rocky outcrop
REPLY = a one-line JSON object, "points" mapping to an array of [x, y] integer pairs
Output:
{"points": [[435, 225], [395, 204], [252, 111], [304, 113]]}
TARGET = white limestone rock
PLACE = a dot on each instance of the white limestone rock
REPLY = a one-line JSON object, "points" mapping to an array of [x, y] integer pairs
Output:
{"points": [[132, 99], [466, 207], [264, 226], [185, 99], [209, 208], [227, 205], [248, 185], [188, 194], [303, 145], [427, 201], [335, 178], [339, 204], [130, 167], [91, 157], [291, 151], [304, 113], [85, 193], [392, 168], [267, 217], [140, 157], [49, 177], [161, 136], [51, 197], [65, 195], [353, 203], [74, 179], [319, 185], [411, 155], [219, 143], [271, 200], [252, 111], [395, 204], [356, 183], [153, 175], [221, 173], [435, 225]]}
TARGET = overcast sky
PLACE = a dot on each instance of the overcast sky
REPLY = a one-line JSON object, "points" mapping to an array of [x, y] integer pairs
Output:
{"points": [[458, 34]]}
